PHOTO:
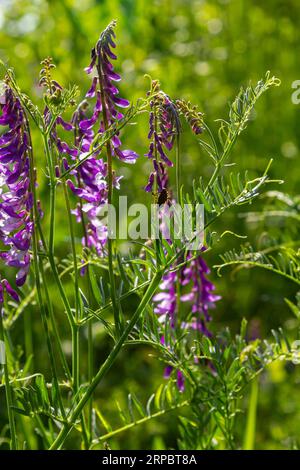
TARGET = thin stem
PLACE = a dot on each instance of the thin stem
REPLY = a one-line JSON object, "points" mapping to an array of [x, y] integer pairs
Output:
{"points": [[54, 325], [9, 402], [61, 290], [43, 311], [249, 438], [75, 357], [111, 434], [90, 331], [42, 429], [73, 246], [28, 334], [90, 375], [178, 192], [49, 303], [115, 305], [51, 233], [223, 158], [107, 364], [52, 194], [178, 169], [75, 328]]}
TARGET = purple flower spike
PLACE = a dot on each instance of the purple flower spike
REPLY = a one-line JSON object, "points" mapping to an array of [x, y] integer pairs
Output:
{"points": [[163, 127], [89, 180], [102, 54], [92, 91], [168, 372], [198, 293], [16, 200], [180, 381], [11, 292], [149, 186]]}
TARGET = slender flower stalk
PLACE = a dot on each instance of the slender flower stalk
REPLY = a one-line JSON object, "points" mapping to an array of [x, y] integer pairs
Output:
{"points": [[6, 287], [19, 208], [16, 225], [103, 87], [104, 369]]}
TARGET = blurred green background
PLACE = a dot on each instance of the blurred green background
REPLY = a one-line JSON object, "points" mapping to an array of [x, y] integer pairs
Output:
{"points": [[202, 51]]}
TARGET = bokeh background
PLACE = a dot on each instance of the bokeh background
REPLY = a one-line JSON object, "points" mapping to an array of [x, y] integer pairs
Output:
{"points": [[202, 51]]}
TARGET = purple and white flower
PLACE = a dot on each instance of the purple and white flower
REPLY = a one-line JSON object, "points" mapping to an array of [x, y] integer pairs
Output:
{"points": [[16, 200]]}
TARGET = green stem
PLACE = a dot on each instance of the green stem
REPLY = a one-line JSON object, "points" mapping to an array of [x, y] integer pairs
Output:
{"points": [[90, 375], [9, 402], [52, 193], [178, 170], [51, 232], [28, 334], [221, 161], [73, 246], [42, 429], [178, 192], [249, 438], [54, 325], [43, 311], [75, 357], [111, 434], [90, 331], [107, 364], [75, 329], [115, 305]]}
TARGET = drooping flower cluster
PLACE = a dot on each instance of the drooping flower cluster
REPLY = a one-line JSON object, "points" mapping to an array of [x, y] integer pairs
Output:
{"points": [[16, 200], [199, 292], [164, 125], [90, 184], [6, 287], [190, 282]]}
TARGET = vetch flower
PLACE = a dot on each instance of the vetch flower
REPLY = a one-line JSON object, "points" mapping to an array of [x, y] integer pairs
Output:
{"points": [[16, 200], [6, 287], [164, 125], [193, 117], [165, 300], [90, 184], [200, 293], [108, 100]]}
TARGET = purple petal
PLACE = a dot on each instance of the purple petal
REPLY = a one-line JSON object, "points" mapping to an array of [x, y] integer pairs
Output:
{"points": [[121, 102], [92, 91], [11, 292]]}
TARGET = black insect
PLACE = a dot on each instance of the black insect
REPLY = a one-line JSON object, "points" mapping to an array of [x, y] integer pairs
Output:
{"points": [[163, 197]]}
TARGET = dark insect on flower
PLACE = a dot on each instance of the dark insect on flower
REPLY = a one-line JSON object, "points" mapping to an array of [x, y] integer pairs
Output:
{"points": [[163, 197]]}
